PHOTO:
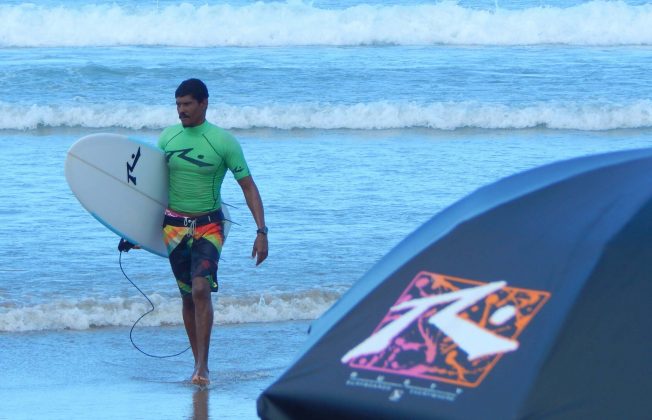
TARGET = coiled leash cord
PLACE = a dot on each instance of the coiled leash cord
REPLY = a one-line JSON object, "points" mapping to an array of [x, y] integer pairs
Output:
{"points": [[125, 246]]}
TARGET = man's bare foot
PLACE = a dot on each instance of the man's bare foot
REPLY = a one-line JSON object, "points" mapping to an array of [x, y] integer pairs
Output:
{"points": [[200, 380], [200, 377]]}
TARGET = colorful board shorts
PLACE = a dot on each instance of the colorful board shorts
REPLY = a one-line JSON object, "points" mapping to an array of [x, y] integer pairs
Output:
{"points": [[194, 247]]}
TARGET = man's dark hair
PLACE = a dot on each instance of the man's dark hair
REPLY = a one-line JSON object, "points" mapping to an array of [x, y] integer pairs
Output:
{"points": [[194, 87]]}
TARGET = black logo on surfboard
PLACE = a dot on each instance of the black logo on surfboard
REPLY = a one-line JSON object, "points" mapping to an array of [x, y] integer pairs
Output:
{"points": [[130, 167]]}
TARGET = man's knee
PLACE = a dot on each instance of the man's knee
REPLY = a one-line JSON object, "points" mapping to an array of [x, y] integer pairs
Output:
{"points": [[201, 289]]}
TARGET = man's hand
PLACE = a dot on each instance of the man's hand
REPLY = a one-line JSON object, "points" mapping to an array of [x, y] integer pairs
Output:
{"points": [[260, 248]]}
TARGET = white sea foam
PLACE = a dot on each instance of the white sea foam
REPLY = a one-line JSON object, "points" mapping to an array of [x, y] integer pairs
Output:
{"points": [[300, 23], [363, 116], [93, 313]]}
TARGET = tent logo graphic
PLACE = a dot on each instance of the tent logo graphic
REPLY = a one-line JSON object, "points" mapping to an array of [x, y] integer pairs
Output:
{"points": [[448, 329]]}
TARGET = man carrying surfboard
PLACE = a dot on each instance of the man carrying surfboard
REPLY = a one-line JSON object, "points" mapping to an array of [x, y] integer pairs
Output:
{"points": [[198, 155]]}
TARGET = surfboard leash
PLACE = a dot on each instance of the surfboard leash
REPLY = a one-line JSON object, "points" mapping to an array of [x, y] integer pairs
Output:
{"points": [[143, 316]]}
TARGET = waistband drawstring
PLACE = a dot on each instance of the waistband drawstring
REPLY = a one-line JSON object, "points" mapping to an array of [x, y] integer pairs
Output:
{"points": [[191, 224]]}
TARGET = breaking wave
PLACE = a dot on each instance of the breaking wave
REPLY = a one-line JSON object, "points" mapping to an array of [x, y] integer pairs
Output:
{"points": [[363, 116], [120, 312], [300, 23]]}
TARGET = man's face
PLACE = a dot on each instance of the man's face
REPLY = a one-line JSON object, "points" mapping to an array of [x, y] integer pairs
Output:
{"points": [[191, 112]]}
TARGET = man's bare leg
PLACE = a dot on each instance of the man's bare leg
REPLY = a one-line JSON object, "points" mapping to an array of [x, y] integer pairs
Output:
{"points": [[203, 325], [188, 312]]}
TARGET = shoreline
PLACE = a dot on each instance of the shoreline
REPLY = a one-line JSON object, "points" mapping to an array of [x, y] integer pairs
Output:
{"points": [[99, 373]]}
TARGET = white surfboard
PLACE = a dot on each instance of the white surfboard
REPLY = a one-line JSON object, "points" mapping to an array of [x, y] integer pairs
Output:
{"points": [[123, 183]]}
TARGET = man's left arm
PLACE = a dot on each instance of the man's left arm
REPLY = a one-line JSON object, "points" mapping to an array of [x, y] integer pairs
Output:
{"points": [[255, 204]]}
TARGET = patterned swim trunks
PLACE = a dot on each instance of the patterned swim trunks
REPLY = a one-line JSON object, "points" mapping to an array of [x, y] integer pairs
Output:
{"points": [[194, 246]]}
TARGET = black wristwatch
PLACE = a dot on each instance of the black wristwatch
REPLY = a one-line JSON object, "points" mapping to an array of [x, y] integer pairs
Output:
{"points": [[262, 230]]}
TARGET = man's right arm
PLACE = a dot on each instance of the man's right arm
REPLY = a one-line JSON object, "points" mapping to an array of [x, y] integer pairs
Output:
{"points": [[255, 204]]}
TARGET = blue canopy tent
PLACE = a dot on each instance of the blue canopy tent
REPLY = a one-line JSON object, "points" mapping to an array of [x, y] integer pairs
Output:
{"points": [[529, 298]]}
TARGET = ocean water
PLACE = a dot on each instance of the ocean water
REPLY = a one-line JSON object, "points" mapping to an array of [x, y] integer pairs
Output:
{"points": [[360, 120]]}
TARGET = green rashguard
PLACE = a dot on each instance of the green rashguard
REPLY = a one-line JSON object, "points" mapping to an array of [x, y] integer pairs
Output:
{"points": [[198, 158]]}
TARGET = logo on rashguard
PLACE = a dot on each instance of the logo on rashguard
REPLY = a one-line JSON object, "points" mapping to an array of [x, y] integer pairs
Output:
{"points": [[130, 167], [448, 329], [183, 154]]}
